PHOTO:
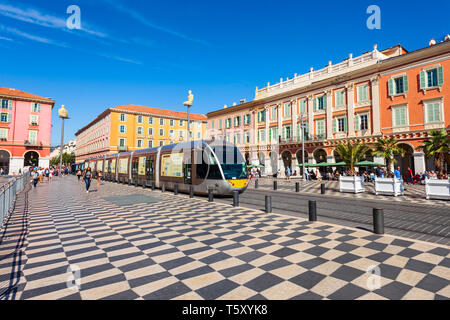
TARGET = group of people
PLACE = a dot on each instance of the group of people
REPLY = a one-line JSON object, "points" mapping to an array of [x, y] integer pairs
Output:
{"points": [[39, 175], [88, 175]]}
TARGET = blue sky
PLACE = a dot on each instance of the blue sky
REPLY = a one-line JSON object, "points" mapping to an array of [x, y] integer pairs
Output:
{"points": [[152, 52]]}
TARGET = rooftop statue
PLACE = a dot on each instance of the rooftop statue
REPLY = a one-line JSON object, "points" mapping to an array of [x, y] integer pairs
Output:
{"points": [[190, 99]]}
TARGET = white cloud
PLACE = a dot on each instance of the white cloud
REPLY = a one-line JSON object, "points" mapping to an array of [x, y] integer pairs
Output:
{"points": [[32, 37]]}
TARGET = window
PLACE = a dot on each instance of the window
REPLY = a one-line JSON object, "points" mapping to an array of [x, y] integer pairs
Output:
{"points": [[433, 112], [181, 133], [237, 121], [150, 120], [139, 143], [123, 117], [212, 125], [273, 113], [262, 116], [161, 122], [362, 122], [123, 129], [302, 107], [7, 104], [287, 132], [431, 78], [228, 123], [199, 135], [199, 124], [3, 134], [287, 110], [237, 138], [262, 135], [171, 133], [247, 118], [5, 117], [400, 117], [32, 136], [273, 134], [340, 98], [340, 124], [34, 120], [320, 103], [150, 131], [220, 124], [140, 130], [150, 143], [320, 128], [398, 85], [161, 132], [181, 123], [35, 107], [140, 119], [171, 122], [246, 137], [363, 93], [161, 143]]}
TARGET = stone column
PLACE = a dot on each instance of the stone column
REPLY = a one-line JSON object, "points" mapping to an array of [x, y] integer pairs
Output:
{"points": [[329, 126], [376, 105], [419, 162], [311, 115], [350, 110]]}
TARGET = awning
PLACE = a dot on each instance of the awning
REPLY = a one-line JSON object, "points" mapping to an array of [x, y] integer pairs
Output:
{"points": [[370, 164]]}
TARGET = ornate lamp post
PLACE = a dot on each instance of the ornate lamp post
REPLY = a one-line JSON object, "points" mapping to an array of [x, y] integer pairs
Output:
{"points": [[188, 104], [63, 114]]}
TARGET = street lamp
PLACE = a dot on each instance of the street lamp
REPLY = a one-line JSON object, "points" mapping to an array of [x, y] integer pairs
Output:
{"points": [[63, 114], [188, 104]]}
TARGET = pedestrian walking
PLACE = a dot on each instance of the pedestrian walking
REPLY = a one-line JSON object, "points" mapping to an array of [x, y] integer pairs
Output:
{"points": [[87, 179], [35, 176], [99, 178], [79, 174]]}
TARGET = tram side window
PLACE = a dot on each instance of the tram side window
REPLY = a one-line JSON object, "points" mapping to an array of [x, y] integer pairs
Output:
{"points": [[206, 166], [134, 167]]}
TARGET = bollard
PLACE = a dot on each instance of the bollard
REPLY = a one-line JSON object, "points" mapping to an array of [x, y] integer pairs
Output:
{"points": [[163, 187], [144, 184], [256, 183], [312, 210], [322, 188], [175, 189], [191, 191], [297, 187], [129, 182], [268, 204], [210, 195], [136, 182], [235, 198], [378, 221], [153, 185], [275, 185]]}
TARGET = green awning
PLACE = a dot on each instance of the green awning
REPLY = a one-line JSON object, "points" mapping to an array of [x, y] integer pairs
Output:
{"points": [[255, 166], [307, 165], [370, 164]]}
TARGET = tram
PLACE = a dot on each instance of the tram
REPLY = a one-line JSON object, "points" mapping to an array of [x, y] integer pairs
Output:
{"points": [[203, 164], [77, 166]]}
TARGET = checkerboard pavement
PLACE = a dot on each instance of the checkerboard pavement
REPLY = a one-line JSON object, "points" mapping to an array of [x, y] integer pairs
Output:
{"points": [[414, 193], [131, 243]]}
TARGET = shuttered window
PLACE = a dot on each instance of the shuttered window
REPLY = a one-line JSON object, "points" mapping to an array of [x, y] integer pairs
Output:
{"points": [[3, 133], [433, 112], [432, 78], [287, 110], [302, 106], [340, 98], [363, 93], [400, 117], [320, 128]]}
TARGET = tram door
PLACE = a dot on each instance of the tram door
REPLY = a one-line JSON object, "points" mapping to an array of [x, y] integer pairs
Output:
{"points": [[187, 163], [134, 169], [149, 168]]}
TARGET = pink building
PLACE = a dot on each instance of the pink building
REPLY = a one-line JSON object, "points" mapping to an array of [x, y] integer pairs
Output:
{"points": [[25, 129]]}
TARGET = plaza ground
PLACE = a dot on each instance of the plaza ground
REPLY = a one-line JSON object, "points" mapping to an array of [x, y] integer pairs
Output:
{"points": [[134, 243]]}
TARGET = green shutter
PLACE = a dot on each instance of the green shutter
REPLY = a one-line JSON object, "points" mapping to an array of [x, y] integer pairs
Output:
{"points": [[270, 135], [440, 76], [8, 118], [10, 104], [315, 104], [324, 102], [357, 127], [405, 84], [430, 112], [423, 80], [437, 112], [391, 87], [334, 125], [345, 124]]}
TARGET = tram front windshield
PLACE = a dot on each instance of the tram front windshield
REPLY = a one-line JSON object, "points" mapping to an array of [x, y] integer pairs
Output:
{"points": [[232, 162]]}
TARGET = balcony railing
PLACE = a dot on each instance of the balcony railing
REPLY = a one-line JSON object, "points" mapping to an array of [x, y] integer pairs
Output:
{"points": [[32, 143], [122, 148]]}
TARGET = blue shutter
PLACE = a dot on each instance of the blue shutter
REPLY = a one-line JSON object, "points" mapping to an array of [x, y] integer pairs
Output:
{"points": [[423, 80], [440, 76]]}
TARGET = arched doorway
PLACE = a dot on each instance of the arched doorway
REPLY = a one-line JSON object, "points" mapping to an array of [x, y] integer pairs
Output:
{"points": [[4, 161], [320, 156], [405, 162], [300, 158], [287, 160], [274, 161], [31, 159]]}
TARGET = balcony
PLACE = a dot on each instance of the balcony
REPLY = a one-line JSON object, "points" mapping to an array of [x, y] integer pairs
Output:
{"points": [[122, 148], [3, 139], [32, 144]]}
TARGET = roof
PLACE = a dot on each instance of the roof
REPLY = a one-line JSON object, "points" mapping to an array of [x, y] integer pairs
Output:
{"points": [[15, 93], [159, 112]]}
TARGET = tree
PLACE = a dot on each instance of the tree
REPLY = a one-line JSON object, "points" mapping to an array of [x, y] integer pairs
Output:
{"points": [[438, 146], [352, 153], [67, 159], [387, 148]]}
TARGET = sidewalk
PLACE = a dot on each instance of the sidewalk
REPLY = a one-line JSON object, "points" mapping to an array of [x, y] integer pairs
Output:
{"points": [[131, 243]]}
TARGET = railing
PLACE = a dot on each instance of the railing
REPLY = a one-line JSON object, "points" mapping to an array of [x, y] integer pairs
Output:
{"points": [[8, 193]]}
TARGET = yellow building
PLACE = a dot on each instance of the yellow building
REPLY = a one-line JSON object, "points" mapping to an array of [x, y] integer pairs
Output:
{"points": [[131, 127]]}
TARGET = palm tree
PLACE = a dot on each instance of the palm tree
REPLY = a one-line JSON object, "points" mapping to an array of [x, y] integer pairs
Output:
{"points": [[387, 148], [352, 153], [438, 146]]}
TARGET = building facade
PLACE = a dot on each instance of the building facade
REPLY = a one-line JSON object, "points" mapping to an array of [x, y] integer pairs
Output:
{"points": [[131, 127], [68, 148], [25, 130], [351, 100]]}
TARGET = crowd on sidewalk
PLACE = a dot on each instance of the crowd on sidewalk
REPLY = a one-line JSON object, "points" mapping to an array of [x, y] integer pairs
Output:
{"points": [[40, 175]]}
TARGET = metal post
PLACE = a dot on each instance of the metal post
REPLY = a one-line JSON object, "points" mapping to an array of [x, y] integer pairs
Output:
{"points": [[268, 204], [322, 188], [256, 183], [297, 187], [144, 184], [191, 191], [188, 124], [136, 182], [153, 186], [210, 195], [378, 221], [235, 198], [62, 146], [275, 185], [163, 187], [175, 189], [303, 147], [312, 210]]}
